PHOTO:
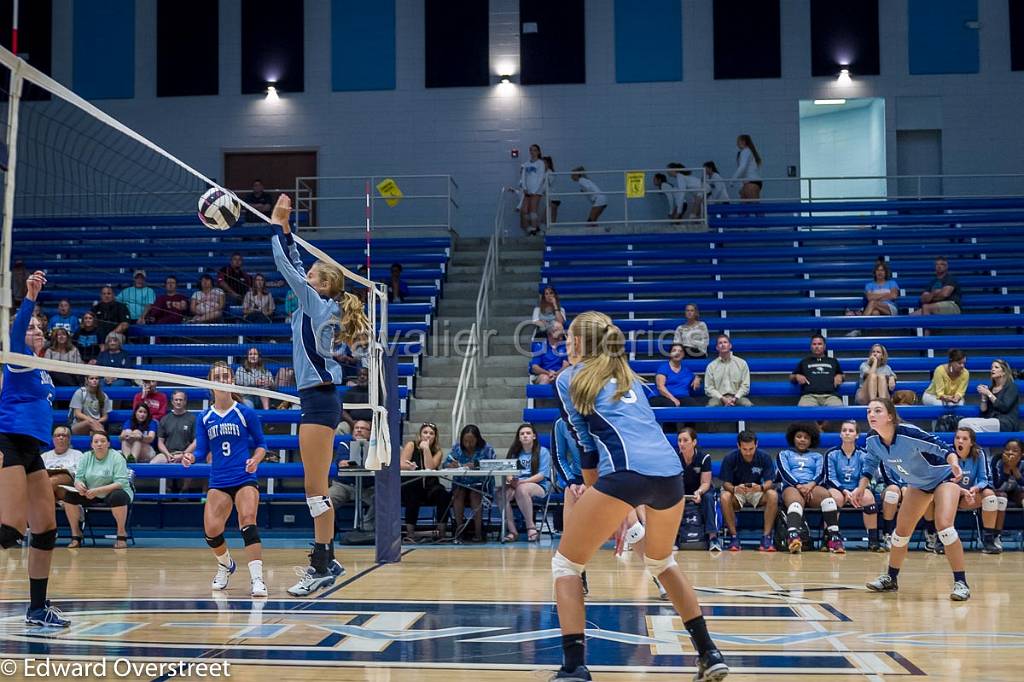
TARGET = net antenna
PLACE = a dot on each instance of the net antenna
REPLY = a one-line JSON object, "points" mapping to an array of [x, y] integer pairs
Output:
{"points": [[22, 72]]}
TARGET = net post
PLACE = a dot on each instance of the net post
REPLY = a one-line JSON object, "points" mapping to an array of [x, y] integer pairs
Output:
{"points": [[6, 242], [369, 209], [387, 498]]}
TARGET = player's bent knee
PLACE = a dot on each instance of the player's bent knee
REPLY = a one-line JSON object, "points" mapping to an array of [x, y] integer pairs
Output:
{"points": [[829, 504], [318, 505], [250, 535], [563, 568], [10, 536], [891, 497], [870, 509], [45, 540], [659, 566], [990, 504], [899, 540], [216, 541], [1002, 504], [949, 536]]}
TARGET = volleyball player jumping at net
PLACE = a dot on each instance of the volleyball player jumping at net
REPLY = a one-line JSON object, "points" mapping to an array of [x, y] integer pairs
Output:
{"points": [[26, 496], [326, 317], [931, 470], [231, 435], [607, 410]]}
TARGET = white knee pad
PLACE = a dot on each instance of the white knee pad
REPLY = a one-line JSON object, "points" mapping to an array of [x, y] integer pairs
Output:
{"points": [[635, 533], [990, 503], [796, 508], [891, 497], [948, 535], [1002, 503], [899, 540], [659, 566], [829, 504], [563, 568], [318, 504]]}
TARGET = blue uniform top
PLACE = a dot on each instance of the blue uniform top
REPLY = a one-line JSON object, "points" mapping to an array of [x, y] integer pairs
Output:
{"points": [[842, 471], [314, 324], [567, 456], [549, 358], [230, 438], [795, 468], [976, 471], [26, 401], [624, 433], [543, 466], [1000, 475], [738, 471], [916, 457]]}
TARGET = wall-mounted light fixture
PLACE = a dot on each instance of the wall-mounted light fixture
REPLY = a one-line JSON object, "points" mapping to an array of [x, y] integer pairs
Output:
{"points": [[272, 95], [844, 78], [821, 102]]}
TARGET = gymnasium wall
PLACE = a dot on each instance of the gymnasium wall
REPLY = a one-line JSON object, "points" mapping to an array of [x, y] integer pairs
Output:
{"points": [[602, 123]]}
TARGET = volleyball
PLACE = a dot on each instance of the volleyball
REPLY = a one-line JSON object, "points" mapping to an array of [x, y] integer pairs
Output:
{"points": [[219, 209]]}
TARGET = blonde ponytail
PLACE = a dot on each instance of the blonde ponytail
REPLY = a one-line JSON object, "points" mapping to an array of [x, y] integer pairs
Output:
{"points": [[355, 325], [601, 346]]}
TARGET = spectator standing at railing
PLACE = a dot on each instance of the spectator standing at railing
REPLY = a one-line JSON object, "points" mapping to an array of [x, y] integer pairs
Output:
{"points": [[260, 200], [727, 377], [819, 377], [258, 303], [676, 190], [65, 318], [748, 168], [949, 382], [233, 280], [138, 297], [693, 197], [207, 303], [62, 349], [398, 290], [942, 295], [1000, 402], [716, 186], [692, 334], [533, 183], [154, 400], [87, 339], [169, 307], [549, 188], [111, 315], [176, 434], [668, 190], [598, 201]]}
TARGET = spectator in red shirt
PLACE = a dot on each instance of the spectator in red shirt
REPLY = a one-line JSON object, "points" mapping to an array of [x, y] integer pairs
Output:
{"points": [[170, 307], [234, 280], [154, 400]]}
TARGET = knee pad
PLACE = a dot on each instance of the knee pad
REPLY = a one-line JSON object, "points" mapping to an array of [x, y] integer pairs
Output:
{"points": [[990, 503], [948, 536], [829, 504], [1002, 503], [563, 568], [215, 542], [870, 509], [636, 533], [891, 497], [45, 541], [318, 505], [797, 508], [10, 537], [659, 566], [250, 535], [899, 540]]}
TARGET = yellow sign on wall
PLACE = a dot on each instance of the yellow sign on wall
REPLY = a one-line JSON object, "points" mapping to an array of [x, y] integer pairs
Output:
{"points": [[635, 185], [389, 188]]}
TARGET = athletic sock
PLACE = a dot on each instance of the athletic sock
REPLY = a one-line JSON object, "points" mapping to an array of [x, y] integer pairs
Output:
{"points": [[224, 559], [894, 573], [794, 520], [320, 557], [573, 651], [961, 576], [256, 569], [888, 525], [831, 521], [37, 592], [873, 535], [698, 630], [929, 526], [988, 534], [330, 550]]}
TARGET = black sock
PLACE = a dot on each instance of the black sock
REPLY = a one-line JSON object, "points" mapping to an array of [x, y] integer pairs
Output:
{"points": [[961, 576], [794, 520], [320, 557], [330, 550], [573, 651], [873, 535], [988, 534], [894, 573], [37, 590], [698, 630], [831, 520], [888, 525], [929, 526]]}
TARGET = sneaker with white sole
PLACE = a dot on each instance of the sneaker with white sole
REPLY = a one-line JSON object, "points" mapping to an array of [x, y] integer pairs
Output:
{"points": [[258, 587], [48, 616], [580, 674], [960, 591], [336, 569], [883, 583], [711, 667], [715, 545], [220, 581], [662, 594], [310, 581]]}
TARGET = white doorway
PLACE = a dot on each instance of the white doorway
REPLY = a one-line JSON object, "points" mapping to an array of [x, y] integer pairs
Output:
{"points": [[844, 139]]}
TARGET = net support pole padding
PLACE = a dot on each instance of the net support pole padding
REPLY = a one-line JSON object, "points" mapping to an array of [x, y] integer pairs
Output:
{"points": [[387, 496]]}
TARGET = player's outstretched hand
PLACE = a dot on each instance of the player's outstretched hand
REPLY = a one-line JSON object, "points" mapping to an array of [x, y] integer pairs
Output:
{"points": [[282, 210]]}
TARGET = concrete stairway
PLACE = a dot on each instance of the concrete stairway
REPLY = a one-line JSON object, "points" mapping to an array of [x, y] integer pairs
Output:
{"points": [[496, 406]]}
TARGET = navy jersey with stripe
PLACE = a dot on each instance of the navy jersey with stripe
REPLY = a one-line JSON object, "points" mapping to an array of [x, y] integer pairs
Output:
{"points": [[842, 471], [566, 456], [230, 438], [976, 471], [26, 401], [795, 468], [623, 433], [916, 457]]}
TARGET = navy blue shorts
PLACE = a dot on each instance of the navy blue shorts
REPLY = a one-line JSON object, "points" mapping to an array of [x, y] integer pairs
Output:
{"points": [[21, 450], [931, 491], [656, 492], [320, 405]]}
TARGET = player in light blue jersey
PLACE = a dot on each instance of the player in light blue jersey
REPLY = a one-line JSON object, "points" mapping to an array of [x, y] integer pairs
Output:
{"points": [[325, 318], [26, 496], [229, 436], [976, 485], [604, 403], [842, 474], [801, 476], [931, 470]]}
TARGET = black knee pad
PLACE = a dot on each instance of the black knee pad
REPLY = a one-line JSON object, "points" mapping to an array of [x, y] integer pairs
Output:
{"points": [[871, 509], [45, 541], [215, 542], [250, 535], [10, 537]]}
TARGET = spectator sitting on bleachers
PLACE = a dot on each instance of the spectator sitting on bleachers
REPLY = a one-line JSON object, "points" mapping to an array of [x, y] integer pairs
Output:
{"points": [[90, 407], [253, 373], [138, 297], [398, 290], [65, 317], [138, 435], [675, 383], [877, 380], [819, 377], [343, 488], [61, 464], [258, 304], [727, 377], [87, 339], [697, 483], [233, 280], [949, 382], [169, 307], [423, 453], [714, 184], [551, 357], [801, 475], [598, 201], [62, 349], [154, 400], [467, 452], [111, 315], [534, 463], [942, 296], [880, 294], [102, 479], [548, 309], [976, 485], [693, 333], [1008, 482], [748, 479], [1000, 403], [176, 433], [259, 200], [842, 476], [114, 356], [208, 302]]}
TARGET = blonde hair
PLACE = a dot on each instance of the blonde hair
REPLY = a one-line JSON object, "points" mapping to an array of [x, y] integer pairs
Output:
{"points": [[353, 322], [602, 351], [885, 353]]}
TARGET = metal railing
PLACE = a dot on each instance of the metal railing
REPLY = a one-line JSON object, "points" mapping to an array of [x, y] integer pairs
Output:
{"points": [[339, 201]]}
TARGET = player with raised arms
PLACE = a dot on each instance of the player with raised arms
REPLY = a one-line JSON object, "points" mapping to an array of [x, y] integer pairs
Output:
{"points": [[230, 434], [326, 317], [26, 496], [605, 406], [931, 470]]}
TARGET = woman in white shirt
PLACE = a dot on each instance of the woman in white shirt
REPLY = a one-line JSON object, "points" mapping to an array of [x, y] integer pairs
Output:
{"points": [[692, 334], [598, 201], [532, 181], [748, 168], [549, 186], [548, 310], [714, 184]]}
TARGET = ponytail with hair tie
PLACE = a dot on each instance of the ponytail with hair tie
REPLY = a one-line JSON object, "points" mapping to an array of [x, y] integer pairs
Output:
{"points": [[606, 361]]}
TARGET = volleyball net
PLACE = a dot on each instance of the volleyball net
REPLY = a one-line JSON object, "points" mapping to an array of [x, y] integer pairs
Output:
{"points": [[135, 283]]}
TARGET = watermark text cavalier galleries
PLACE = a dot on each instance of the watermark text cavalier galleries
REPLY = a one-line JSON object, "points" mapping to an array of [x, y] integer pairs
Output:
{"points": [[112, 668]]}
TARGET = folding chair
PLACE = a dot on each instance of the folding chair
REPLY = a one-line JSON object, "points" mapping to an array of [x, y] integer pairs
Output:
{"points": [[88, 512]]}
